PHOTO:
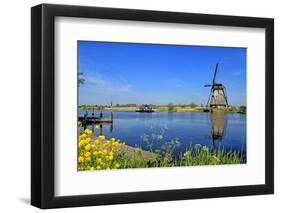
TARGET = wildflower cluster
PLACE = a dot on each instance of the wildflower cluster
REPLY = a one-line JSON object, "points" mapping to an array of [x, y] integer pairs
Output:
{"points": [[96, 153], [204, 155]]}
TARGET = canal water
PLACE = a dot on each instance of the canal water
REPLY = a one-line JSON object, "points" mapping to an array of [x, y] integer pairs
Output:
{"points": [[224, 130]]}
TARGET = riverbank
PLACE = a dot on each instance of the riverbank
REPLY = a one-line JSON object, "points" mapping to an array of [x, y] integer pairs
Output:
{"points": [[99, 153], [164, 108], [158, 109]]}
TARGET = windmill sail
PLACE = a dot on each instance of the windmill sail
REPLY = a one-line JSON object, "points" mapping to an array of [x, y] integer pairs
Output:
{"points": [[215, 74]]}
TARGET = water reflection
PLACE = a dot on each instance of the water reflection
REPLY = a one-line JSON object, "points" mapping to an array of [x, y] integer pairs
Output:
{"points": [[208, 129], [218, 122], [100, 128]]}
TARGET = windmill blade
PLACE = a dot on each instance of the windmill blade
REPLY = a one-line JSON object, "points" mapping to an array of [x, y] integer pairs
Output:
{"points": [[207, 85], [208, 102], [215, 74]]}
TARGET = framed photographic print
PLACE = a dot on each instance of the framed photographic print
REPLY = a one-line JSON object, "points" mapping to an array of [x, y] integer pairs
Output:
{"points": [[139, 106]]}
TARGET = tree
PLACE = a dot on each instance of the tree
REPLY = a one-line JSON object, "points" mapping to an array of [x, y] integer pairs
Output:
{"points": [[243, 109], [193, 105], [171, 107]]}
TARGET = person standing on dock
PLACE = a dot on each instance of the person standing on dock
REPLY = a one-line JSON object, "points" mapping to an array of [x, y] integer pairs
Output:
{"points": [[101, 115]]}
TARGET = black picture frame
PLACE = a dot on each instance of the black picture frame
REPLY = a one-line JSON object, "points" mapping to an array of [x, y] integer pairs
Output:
{"points": [[43, 101]]}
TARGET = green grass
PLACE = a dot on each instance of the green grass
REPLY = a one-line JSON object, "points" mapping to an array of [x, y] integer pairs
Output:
{"points": [[196, 155], [203, 155]]}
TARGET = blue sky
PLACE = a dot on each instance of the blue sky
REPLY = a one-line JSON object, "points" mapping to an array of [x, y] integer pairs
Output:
{"points": [[158, 74]]}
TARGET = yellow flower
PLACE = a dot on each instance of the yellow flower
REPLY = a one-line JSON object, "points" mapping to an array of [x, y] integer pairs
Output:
{"points": [[82, 136], [95, 147], [87, 159], [109, 157], [102, 149], [87, 154], [88, 147], [107, 144], [88, 140], [81, 143], [80, 159], [97, 126], [88, 132], [101, 137], [97, 142], [98, 160]]}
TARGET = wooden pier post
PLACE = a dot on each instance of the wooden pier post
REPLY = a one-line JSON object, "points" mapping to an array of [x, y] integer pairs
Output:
{"points": [[101, 132], [111, 116], [86, 114]]}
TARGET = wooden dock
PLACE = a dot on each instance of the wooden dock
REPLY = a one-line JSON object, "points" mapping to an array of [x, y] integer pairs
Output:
{"points": [[92, 120], [99, 121]]}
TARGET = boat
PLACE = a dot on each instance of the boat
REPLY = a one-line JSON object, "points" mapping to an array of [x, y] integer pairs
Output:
{"points": [[145, 108]]}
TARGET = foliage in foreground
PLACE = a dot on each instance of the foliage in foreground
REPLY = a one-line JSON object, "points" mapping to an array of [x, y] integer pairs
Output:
{"points": [[96, 153], [194, 156]]}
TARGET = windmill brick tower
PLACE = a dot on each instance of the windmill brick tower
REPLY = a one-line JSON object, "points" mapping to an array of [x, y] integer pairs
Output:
{"points": [[217, 97]]}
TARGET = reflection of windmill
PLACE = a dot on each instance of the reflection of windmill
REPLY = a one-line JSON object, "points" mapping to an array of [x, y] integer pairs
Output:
{"points": [[219, 124], [217, 96]]}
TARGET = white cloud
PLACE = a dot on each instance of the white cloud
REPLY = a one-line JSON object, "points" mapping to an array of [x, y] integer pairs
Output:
{"points": [[101, 85]]}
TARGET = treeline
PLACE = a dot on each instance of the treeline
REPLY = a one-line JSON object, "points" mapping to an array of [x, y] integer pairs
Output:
{"points": [[100, 107], [168, 107]]}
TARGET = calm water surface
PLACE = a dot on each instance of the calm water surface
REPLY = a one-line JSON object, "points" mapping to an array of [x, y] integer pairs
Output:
{"points": [[210, 129]]}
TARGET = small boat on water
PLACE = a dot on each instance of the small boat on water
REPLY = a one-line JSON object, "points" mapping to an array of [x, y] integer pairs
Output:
{"points": [[145, 108]]}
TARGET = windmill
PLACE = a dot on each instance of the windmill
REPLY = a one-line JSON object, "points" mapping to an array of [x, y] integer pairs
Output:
{"points": [[217, 97]]}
